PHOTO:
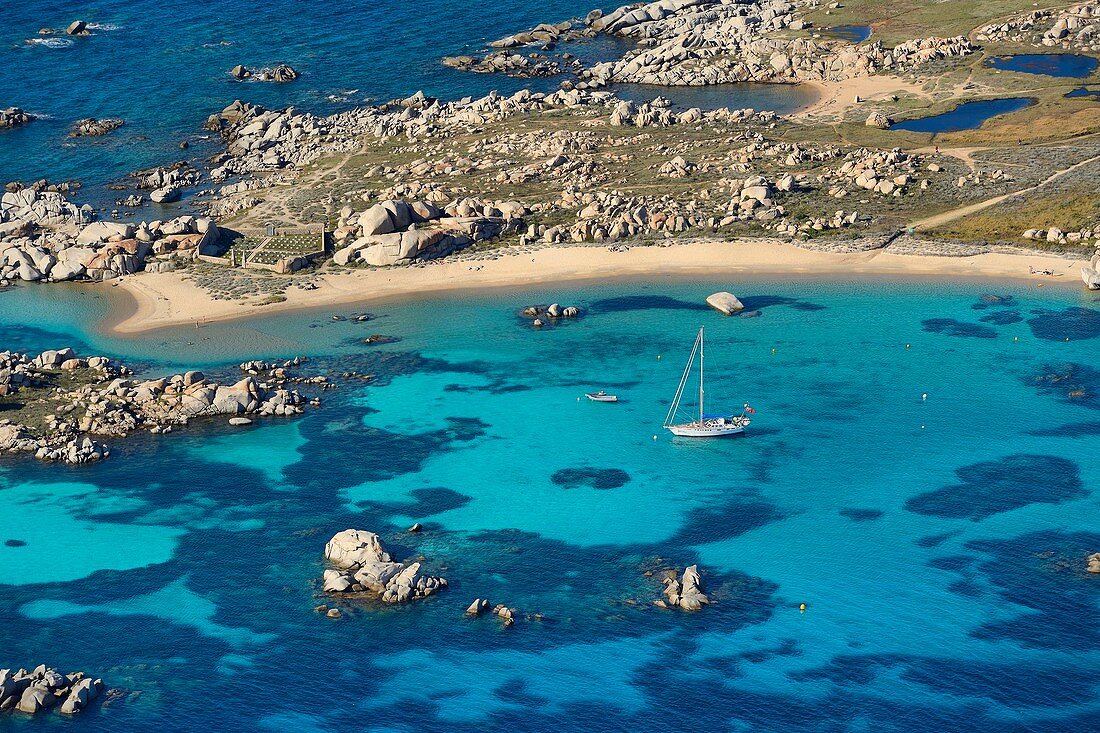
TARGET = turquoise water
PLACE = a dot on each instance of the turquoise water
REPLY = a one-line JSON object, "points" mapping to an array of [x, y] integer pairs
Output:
{"points": [[937, 542], [1047, 64], [967, 116]]}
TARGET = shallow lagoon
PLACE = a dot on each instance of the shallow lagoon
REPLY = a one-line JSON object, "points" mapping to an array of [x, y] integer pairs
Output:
{"points": [[850, 494]]}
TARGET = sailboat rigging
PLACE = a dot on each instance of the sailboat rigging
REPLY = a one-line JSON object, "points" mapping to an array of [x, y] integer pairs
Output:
{"points": [[705, 426]]}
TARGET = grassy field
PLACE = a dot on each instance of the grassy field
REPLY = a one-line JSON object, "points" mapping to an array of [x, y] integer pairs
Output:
{"points": [[1068, 210], [901, 20]]}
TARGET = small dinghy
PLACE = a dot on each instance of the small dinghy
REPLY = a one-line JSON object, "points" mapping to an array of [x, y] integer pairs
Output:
{"points": [[601, 396]]}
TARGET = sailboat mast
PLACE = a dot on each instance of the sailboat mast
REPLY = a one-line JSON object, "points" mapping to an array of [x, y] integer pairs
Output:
{"points": [[700, 375]]}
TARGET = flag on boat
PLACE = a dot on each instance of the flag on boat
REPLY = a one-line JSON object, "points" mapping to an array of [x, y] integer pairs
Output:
{"points": [[750, 410]]}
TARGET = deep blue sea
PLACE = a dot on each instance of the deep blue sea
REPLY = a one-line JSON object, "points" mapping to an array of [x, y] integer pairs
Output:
{"points": [[918, 474], [163, 67]]}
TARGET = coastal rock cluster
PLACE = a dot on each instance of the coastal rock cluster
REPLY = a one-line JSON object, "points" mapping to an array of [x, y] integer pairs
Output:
{"points": [[1075, 27], [699, 42], [43, 688], [685, 591], [96, 251], [481, 606], [281, 73], [541, 315], [59, 403], [529, 66], [396, 232], [362, 565], [91, 127], [14, 117], [1054, 235]]}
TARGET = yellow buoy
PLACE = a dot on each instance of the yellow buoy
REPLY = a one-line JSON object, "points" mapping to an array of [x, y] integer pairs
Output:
{"points": [[802, 608]]}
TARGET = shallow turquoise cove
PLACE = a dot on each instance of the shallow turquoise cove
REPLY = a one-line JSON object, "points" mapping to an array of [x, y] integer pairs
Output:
{"points": [[920, 473]]}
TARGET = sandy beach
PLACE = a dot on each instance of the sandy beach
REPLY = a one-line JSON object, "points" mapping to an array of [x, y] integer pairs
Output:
{"points": [[835, 98], [151, 301]]}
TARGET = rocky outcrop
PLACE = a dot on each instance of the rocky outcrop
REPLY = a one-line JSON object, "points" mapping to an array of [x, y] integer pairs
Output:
{"points": [[521, 66], [543, 314], [91, 127], [397, 232], [725, 303], [1090, 273], [14, 117], [1093, 562], [77, 28], [105, 401], [40, 208], [686, 592], [165, 195], [43, 688], [100, 250], [362, 565], [281, 73], [1074, 27], [879, 120], [698, 42]]}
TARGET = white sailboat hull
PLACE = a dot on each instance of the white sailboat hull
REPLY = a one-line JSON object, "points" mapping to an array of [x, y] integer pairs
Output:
{"points": [[716, 428]]}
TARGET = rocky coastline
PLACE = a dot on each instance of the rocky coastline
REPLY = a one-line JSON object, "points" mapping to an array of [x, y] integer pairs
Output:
{"points": [[59, 406]]}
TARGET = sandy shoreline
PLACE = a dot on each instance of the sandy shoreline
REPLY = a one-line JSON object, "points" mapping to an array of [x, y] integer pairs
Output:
{"points": [[151, 301]]}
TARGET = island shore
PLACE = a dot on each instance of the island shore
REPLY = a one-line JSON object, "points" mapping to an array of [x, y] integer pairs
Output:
{"points": [[153, 301]]}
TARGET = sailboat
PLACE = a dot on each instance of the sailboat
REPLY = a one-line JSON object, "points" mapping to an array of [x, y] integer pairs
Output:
{"points": [[706, 426]]}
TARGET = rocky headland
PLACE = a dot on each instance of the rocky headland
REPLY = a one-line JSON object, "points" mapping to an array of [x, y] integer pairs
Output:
{"points": [[59, 406]]}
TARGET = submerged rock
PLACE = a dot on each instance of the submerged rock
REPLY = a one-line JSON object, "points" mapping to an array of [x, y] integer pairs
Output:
{"points": [[91, 127], [1094, 562]]}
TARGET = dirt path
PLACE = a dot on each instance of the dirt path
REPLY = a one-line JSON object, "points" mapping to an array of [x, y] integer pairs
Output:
{"points": [[948, 216]]}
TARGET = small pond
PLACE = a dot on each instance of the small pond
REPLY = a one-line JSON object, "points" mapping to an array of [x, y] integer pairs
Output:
{"points": [[779, 98], [1047, 64], [1084, 92], [967, 116], [849, 33]]}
